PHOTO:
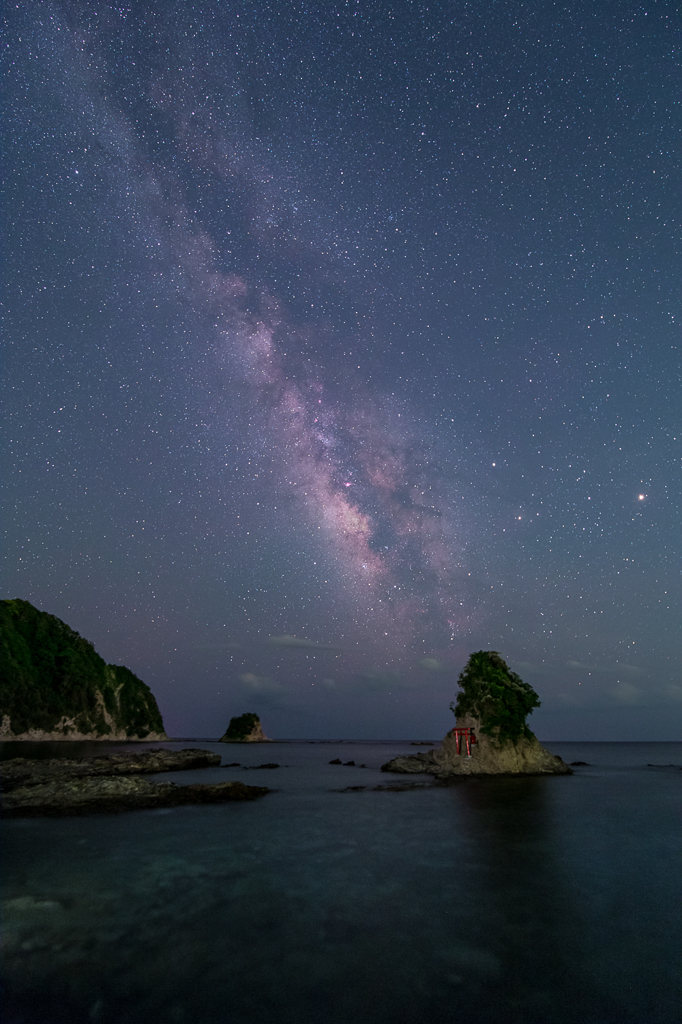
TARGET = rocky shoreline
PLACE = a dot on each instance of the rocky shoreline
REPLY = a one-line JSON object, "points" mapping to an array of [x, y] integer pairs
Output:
{"points": [[66, 731], [110, 784], [523, 756]]}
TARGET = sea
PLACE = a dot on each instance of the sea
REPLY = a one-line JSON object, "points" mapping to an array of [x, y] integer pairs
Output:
{"points": [[336, 900]]}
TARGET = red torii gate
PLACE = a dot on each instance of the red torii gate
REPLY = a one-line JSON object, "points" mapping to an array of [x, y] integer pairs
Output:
{"points": [[464, 734]]}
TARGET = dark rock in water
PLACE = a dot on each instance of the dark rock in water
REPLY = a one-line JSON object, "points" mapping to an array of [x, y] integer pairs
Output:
{"points": [[56, 687], [421, 744], [523, 756], [254, 767], [349, 789], [233, 764], [349, 764], [337, 760], [110, 783], [400, 787], [574, 764], [112, 794], [244, 729], [23, 771]]}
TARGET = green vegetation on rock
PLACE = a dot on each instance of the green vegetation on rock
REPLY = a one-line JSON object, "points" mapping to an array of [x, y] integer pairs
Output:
{"points": [[241, 726], [496, 696], [50, 673]]}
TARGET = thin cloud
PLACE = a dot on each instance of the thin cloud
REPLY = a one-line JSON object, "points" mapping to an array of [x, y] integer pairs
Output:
{"points": [[375, 680], [292, 642], [632, 670], [627, 693], [433, 664], [214, 647], [529, 666], [260, 684], [619, 667]]}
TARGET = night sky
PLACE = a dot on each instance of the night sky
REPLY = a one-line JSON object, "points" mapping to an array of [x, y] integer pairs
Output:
{"points": [[342, 340]]}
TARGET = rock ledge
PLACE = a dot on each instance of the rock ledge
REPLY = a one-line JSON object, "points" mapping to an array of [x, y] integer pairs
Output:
{"points": [[24, 771], [110, 783], [521, 757]]}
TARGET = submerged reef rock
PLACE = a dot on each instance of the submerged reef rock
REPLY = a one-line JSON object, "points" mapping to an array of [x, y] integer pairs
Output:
{"points": [[244, 729], [24, 771], [491, 736], [108, 784], [110, 794], [56, 687]]}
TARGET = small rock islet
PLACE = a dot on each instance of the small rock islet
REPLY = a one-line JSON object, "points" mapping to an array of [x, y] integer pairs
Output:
{"points": [[491, 736]]}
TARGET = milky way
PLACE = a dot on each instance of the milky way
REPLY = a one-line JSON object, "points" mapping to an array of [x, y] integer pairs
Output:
{"points": [[355, 471], [341, 343]]}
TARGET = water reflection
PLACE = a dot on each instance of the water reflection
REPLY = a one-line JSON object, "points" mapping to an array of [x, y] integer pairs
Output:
{"points": [[529, 917]]}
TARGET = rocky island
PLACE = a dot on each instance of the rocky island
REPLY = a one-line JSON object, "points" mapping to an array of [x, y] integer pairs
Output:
{"points": [[110, 783], [56, 687], [244, 729], [491, 736]]}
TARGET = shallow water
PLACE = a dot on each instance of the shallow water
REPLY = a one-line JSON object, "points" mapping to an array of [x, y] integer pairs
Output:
{"points": [[498, 900]]}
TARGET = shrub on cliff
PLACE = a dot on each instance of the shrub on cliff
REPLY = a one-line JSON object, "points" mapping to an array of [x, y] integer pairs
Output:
{"points": [[496, 696], [50, 672]]}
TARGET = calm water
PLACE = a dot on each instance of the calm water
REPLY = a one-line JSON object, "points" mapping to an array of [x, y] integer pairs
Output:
{"points": [[501, 900]]}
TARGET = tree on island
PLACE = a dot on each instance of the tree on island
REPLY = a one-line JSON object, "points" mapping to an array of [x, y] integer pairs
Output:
{"points": [[496, 696], [241, 726], [244, 728]]}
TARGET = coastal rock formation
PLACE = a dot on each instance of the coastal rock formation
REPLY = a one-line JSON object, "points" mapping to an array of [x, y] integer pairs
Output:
{"points": [[56, 687], [111, 794], [110, 784], [245, 729], [523, 756], [25, 771], [491, 736]]}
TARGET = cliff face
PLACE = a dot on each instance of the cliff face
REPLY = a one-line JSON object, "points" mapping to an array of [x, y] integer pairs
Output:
{"points": [[522, 756], [244, 729], [56, 687]]}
